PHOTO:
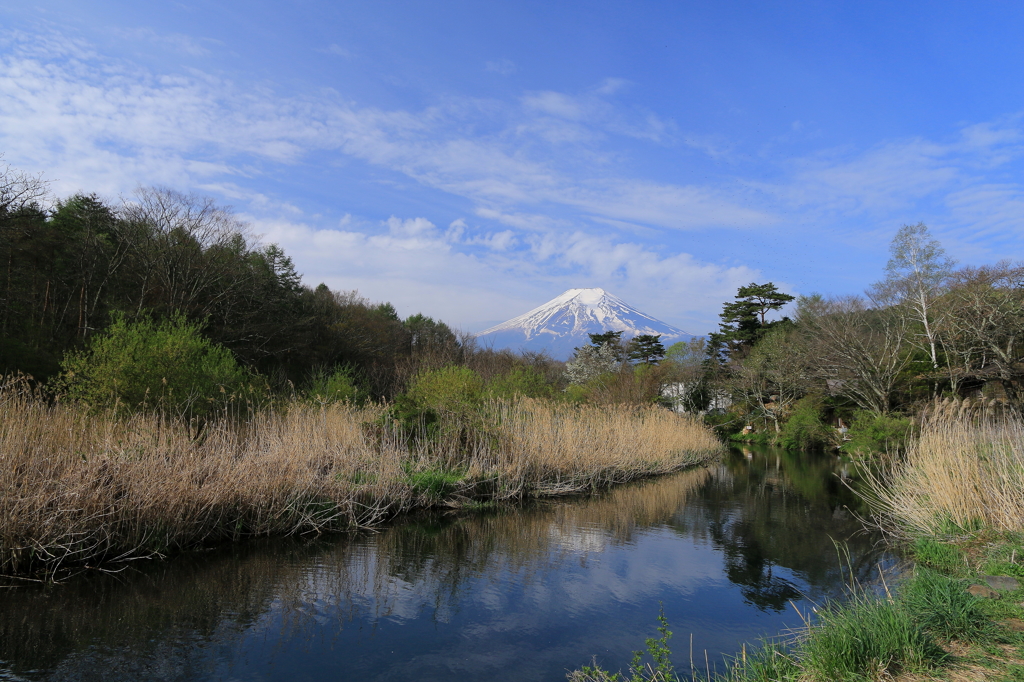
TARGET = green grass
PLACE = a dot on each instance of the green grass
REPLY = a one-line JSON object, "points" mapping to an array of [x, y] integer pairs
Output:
{"points": [[866, 638], [772, 661], [941, 556], [436, 483], [1005, 556], [1014, 673], [943, 607]]}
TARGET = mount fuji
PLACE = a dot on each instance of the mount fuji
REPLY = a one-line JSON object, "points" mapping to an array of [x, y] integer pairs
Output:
{"points": [[565, 321]]}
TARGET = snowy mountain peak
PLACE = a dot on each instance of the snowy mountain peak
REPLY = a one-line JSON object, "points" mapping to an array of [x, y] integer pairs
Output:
{"points": [[565, 322]]}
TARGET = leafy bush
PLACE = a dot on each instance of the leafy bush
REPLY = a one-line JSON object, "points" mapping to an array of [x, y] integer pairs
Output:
{"points": [[575, 394], [753, 438], [456, 390], [660, 669], [805, 430], [456, 393], [725, 425], [871, 432], [521, 381], [167, 365], [336, 386], [436, 483]]}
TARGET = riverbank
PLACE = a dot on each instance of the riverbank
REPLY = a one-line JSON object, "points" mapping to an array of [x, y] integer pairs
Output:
{"points": [[81, 489], [956, 501]]}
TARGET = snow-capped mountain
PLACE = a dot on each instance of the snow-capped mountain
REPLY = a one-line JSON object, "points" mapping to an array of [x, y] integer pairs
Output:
{"points": [[565, 321]]}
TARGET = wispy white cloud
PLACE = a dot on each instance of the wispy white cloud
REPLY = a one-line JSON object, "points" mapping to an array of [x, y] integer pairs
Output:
{"points": [[506, 67], [90, 121], [610, 86], [337, 50], [474, 277], [891, 176], [177, 42], [534, 173]]}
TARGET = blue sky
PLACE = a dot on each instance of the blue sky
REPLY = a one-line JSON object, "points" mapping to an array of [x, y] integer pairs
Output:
{"points": [[472, 160]]}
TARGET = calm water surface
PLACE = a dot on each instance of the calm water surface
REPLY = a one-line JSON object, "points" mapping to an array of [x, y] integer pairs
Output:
{"points": [[520, 594]]}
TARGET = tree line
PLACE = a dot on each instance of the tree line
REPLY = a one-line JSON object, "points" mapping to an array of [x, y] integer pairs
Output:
{"points": [[928, 329], [75, 266]]}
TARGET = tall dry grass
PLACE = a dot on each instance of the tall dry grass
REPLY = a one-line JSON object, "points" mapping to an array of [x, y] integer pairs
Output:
{"points": [[965, 472], [555, 448], [79, 489]]}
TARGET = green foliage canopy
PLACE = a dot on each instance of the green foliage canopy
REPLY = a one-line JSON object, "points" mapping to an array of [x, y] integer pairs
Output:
{"points": [[646, 348], [146, 364], [744, 319]]}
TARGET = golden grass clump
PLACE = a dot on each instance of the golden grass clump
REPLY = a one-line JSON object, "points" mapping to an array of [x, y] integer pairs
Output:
{"points": [[964, 473], [80, 489]]}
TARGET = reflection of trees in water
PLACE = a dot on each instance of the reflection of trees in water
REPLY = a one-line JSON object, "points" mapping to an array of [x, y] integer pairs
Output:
{"points": [[197, 596], [163, 611], [768, 508]]}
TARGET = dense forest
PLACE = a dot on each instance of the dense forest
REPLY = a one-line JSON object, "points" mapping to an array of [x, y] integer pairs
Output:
{"points": [[73, 269]]}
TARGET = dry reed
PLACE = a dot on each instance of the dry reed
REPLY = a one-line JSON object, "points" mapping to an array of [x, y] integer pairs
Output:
{"points": [[965, 472], [85, 490]]}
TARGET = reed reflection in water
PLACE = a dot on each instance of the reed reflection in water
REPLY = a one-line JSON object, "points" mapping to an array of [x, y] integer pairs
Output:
{"points": [[505, 594]]}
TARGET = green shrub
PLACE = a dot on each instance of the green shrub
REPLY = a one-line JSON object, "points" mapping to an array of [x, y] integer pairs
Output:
{"points": [[167, 365], [724, 424], [575, 394], [455, 390], [872, 433], [337, 386], [805, 429], [660, 669], [753, 438], [454, 395], [521, 381], [435, 483]]}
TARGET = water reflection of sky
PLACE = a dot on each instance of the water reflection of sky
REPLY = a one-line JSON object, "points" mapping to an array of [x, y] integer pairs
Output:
{"points": [[515, 626], [517, 595]]}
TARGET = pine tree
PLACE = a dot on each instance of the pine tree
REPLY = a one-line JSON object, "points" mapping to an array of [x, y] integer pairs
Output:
{"points": [[744, 320], [646, 348]]}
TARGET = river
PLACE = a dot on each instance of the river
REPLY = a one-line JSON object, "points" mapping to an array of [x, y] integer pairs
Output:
{"points": [[731, 551]]}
